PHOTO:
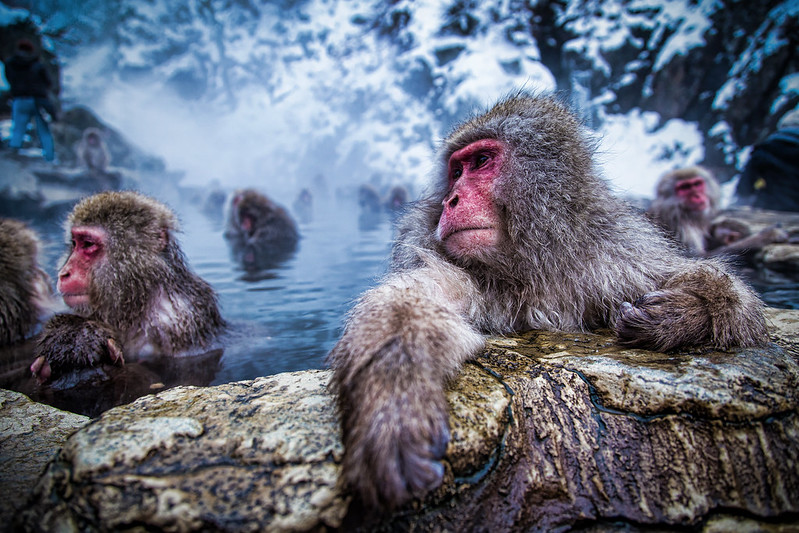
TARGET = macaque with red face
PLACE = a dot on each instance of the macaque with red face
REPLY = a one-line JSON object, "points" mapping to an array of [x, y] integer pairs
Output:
{"points": [[686, 203], [260, 232], [518, 233], [127, 281]]}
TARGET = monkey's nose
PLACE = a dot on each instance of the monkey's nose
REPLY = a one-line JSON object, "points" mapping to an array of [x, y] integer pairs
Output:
{"points": [[452, 202]]}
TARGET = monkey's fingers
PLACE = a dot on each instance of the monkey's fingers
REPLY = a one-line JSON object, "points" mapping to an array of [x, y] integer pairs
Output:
{"points": [[40, 369], [394, 445], [644, 325], [115, 352]]}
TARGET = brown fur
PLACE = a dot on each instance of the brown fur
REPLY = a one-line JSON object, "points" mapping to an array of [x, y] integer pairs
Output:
{"points": [[144, 272], [25, 291], [273, 235], [573, 258], [691, 228]]}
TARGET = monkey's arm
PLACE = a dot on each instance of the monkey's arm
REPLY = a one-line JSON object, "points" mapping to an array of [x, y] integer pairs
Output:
{"points": [[752, 243], [69, 342], [703, 305], [403, 340]]}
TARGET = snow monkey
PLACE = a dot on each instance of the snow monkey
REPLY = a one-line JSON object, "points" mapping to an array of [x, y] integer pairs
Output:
{"points": [[92, 151], [687, 201], [260, 232], [25, 292], [518, 233], [127, 281]]}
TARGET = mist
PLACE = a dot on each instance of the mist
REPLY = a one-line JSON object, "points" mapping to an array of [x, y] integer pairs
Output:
{"points": [[355, 91]]}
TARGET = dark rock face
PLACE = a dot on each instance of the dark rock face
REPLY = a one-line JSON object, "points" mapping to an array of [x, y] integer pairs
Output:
{"points": [[734, 75], [549, 432]]}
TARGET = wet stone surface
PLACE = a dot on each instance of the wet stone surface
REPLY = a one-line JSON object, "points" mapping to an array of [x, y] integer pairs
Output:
{"points": [[549, 431]]}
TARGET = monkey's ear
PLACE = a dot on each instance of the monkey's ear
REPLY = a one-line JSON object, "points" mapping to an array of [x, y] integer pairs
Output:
{"points": [[163, 239]]}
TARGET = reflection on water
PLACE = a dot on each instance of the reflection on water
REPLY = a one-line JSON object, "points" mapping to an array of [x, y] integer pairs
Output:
{"points": [[284, 318], [288, 317]]}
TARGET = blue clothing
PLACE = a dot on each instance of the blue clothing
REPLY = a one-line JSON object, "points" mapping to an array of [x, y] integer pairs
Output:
{"points": [[770, 179], [23, 110]]}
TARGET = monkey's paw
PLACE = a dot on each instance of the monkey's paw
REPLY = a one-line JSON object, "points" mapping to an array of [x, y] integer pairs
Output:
{"points": [[662, 320], [71, 342], [393, 452]]}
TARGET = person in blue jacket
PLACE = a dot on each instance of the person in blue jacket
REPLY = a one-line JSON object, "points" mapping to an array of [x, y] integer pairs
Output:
{"points": [[30, 87], [770, 179]]}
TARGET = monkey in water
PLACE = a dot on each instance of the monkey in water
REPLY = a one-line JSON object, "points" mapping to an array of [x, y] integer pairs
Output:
{"points": [[686, 203], [25, 292], [259, 231], [127, 281], [518, 233]]}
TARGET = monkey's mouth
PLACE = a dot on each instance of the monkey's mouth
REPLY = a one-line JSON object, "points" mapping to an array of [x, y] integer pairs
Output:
{"points": [[456, 231], [74, 300]]}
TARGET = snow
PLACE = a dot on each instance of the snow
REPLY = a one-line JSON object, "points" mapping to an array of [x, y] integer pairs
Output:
{"points": [[10, 15], [634, 152], [313, 89]]}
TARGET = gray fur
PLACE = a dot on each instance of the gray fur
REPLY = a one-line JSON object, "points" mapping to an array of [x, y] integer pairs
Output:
{"points": [[144, 270], [25, 292], [573, 258]]}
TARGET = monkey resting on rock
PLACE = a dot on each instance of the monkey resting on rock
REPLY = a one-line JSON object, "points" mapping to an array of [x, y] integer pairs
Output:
{"points": [[127, 281], [519, 233]]}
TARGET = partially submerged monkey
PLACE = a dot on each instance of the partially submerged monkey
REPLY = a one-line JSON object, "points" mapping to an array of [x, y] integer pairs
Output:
{"points": [[518, 233], [686, 204], [25, 292], [260, 232], [127, 281]]}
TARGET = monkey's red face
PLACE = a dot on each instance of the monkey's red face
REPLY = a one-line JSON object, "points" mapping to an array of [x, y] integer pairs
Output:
{"points": [[87, 252], [470, 223], [692, 193]]}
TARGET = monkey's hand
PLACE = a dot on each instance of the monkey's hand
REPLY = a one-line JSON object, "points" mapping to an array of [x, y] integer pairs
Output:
{"points": [[390, 367], [772, 234], [701, 307], [70, 342]]}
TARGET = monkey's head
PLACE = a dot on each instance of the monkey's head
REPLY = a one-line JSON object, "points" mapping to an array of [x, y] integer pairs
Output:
{"points": [[19, 244], [121, 248], [727, 231], [693, 190], [508, 172], [92, 136], [249, 211]]}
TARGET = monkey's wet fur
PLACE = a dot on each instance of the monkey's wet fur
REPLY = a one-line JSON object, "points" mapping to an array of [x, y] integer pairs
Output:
{"points": [[519, 232], [25, 293], [127, 281]]}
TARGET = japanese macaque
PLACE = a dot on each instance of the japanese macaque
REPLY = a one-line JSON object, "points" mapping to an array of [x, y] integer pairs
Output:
{"points": [[303, 205], [370, 207], [127, 281], [397, 198], [518, 233], [369, 199], [25, 292], [686, 202], [260, 232], [92, 151]]}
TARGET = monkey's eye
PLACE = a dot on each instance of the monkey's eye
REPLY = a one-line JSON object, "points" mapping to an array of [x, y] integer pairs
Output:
{"points": [[87, 246], [481, 160], [456, 173]]}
